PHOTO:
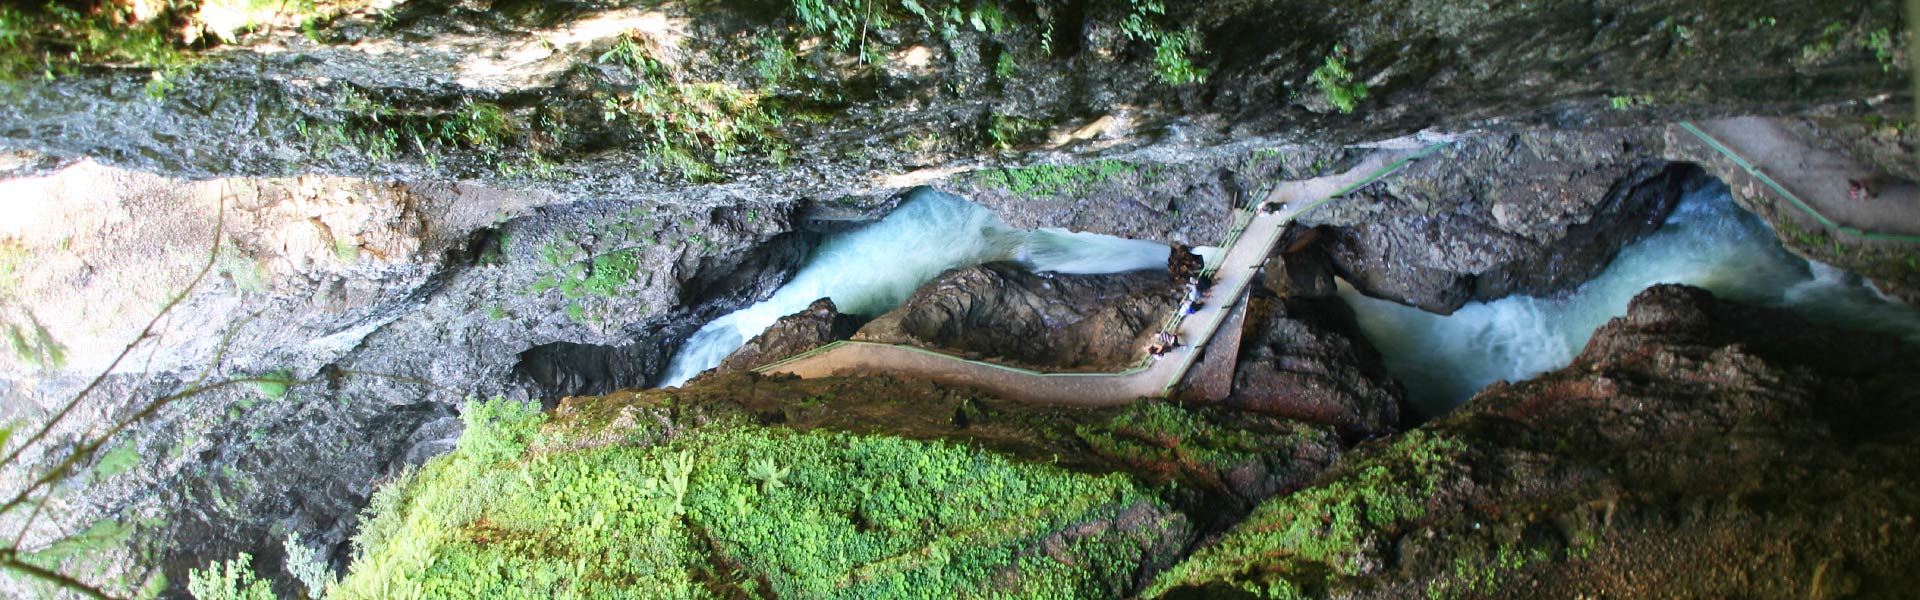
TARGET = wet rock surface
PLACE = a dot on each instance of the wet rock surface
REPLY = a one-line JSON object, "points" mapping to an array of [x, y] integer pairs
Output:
{"points": [[1003, 313], [1304, 358], [569, 256], [820, 324], [1502, 214], [1685, 451]]}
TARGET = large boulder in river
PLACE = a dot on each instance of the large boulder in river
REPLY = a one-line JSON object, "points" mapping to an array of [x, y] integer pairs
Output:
{"points": [[820, 324], [1044, 320], [1497, 215], [1696, 448], [1305, 359]]}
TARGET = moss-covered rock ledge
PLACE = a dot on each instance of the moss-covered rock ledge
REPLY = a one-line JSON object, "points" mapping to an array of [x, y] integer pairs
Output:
{"points": [[1696, 449], [860, 488]]}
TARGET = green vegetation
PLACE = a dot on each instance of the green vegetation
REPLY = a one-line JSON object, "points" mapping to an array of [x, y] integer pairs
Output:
{"points": [[850, 28], [1324, 531], [274, 384], [54, 39], [1338, 84], [90, 556], [706, 513], [379, 131], [691, 129], [1007, 131], [604, 276], [239, 268], [307, 567], [1172, 50], [116, 461], [1881, 44], [33, 345], [1054, 180], [230, 580], [1627, 102], [1152, 434], [1824, 45]]}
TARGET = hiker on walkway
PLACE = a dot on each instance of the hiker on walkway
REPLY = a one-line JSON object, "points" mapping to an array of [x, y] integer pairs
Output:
{"points": [[1167, 340], [1863, 189]]}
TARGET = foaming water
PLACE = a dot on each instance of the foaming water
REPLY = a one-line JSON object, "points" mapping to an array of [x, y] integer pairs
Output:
{"points": [[872, 270], [1706, 242]]}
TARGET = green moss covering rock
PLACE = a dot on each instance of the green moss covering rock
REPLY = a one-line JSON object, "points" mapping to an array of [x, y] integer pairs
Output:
{"points": [[1696, 448], [731, 508]]}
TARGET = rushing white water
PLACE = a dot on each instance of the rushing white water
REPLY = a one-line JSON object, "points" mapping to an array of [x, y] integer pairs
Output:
{"points": [[1707, 242], [872, 270]]}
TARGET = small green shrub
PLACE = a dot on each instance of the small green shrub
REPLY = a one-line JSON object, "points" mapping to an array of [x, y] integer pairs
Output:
{"points": [[1338, 84], [689, 128], [53, 39], [1007, 131], [308, 567], [699, 515], [230, 580], [499, 429], [1053, 180], [1172, 49]]}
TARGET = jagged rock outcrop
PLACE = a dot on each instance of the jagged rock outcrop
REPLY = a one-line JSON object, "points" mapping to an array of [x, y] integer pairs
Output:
{"points": [[1502, 214], [1304, 358], [1696, 447], [1004, 313], [1300, 266], [820, 324]]}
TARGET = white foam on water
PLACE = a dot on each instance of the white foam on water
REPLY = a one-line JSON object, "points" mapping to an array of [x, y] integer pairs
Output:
{"points": [[1706, 242], [872, 270]]}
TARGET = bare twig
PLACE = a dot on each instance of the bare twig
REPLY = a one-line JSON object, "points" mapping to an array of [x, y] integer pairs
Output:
{"points": [[147, 332]]}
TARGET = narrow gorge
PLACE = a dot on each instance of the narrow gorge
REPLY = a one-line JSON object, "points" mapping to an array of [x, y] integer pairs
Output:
{"points": [[370, 299]]}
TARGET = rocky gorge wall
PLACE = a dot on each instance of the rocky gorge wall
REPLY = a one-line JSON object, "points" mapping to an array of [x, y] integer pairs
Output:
{"points": [[559, 253]]}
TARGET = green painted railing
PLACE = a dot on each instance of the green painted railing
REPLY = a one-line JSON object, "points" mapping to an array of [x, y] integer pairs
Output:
{"points": [[1790, 196]]}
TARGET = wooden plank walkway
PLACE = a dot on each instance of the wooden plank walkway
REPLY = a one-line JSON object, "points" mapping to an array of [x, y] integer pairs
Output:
{"points": [[1247, 246]]}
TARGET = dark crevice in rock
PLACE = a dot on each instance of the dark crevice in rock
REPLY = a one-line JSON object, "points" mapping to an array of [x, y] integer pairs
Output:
{"points": [[567, 369]]}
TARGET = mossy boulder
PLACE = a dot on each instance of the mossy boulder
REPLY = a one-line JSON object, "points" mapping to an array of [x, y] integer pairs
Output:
{"points": [[1696, 448]]}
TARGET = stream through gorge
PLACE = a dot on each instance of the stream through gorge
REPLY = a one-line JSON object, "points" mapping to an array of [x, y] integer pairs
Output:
{"points": [[1707, 242], [873, 269]]}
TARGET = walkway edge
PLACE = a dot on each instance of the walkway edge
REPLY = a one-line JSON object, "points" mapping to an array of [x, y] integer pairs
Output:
{"points": [[1755, 171]]}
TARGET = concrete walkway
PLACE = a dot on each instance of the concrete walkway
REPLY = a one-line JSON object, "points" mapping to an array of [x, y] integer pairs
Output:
{"points": [[1814, 176], [1235, 272]]}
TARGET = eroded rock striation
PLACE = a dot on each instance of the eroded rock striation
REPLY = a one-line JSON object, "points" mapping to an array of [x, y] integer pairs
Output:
{"points": [[1304, 358], [1004, 313]]}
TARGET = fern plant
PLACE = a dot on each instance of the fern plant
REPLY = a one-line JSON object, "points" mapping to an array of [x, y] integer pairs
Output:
{"points": [[768, 473], [230, 580], [1338, 83]]}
